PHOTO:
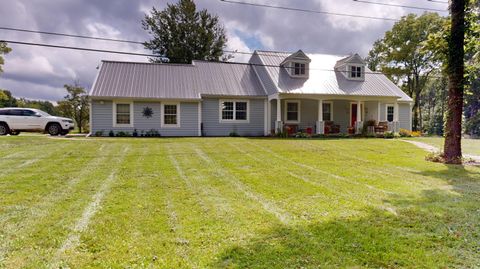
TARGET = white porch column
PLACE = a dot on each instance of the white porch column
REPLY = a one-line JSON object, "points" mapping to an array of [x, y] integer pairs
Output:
{"points": [[378, 112], [395, 118], [320, 124], [358, 124], [278, 122]]}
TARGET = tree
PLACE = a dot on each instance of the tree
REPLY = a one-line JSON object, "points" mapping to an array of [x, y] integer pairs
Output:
{"points": [[456, 52], [6, 99], [3, 50], [401, 55], [182, 34], [75, 105]]}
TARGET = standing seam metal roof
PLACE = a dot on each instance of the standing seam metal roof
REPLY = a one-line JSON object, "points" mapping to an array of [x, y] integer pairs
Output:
{"points": [[175, 81]]}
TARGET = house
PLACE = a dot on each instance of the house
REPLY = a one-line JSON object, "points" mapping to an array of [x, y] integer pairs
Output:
{"points": [[313, 92]]}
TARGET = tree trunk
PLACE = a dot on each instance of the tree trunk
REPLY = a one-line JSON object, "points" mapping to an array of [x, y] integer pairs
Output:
{"points": [[453, 126]]}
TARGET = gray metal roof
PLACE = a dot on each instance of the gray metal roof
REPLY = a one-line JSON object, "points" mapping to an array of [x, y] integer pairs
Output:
{"points": [[322, 78], [175, 81], [263, 76]]}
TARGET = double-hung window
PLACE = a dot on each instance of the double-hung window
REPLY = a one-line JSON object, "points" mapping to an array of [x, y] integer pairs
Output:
{"points": [[170, 115], [299, 69], [390, 113], [233, 111], [123, 113], [327, 112], [355, 71], [292, 111]]}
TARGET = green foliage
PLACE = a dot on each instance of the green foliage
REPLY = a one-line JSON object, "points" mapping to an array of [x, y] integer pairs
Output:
{"points": [[99, 133], [182, 34], [38, 104], [233, 134], [122, 134], [401, 54], [7, 100], [3, 50], [75, 105]]}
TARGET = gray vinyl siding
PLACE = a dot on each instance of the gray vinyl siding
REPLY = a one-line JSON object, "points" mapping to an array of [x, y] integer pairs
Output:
{"points": [[102, 119], [405, 116], [341, 114], [213, 127]]}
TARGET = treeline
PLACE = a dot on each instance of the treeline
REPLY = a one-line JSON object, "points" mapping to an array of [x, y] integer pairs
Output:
{"points": [[414, 55], [74, 105]]}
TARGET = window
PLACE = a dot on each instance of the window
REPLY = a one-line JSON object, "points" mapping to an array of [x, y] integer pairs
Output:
{"points": [[122, 114], [15, 112], [170, 115], [293, 111], [299, 69], [234, 111], [355, 71], [29, 113], [390, 113], [327, 111]]}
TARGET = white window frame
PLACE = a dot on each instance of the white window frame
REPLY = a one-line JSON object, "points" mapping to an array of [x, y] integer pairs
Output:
{"points": [[114, 110], [386, 112], [162, 115], [285, 113], [362, 71], [234, 120], [292, 69], [331, 110]]}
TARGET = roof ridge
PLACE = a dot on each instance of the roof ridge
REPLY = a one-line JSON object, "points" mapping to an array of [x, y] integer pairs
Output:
{"points": [[148, 63]]}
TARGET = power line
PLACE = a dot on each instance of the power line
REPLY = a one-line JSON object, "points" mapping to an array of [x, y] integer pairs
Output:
{"points": [[69, 35], [152, 55], [308, 10], [402, 6], [437, 1]]}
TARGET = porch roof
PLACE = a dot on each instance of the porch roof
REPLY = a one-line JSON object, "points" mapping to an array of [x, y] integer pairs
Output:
{"points": [[323, 79]]}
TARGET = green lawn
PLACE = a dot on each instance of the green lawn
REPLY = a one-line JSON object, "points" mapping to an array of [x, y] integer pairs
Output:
{"points": [[469, 146], [233, 203]]}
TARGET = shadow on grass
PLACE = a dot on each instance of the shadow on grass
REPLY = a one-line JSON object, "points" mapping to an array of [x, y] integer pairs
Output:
{"points": [[438, 229]]}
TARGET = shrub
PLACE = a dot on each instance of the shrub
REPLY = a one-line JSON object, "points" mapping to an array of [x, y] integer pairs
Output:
{"points": [[152, 133], [416, 133], [99, 133], [405, 133], [281, 134], [435, 157], [301, 135], [389, 135], [135, 133], [111, 133], [233, 134], [123, 134]]}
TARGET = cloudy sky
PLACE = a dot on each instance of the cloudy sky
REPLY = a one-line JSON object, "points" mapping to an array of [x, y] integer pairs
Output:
{"points": [[40, 73]]}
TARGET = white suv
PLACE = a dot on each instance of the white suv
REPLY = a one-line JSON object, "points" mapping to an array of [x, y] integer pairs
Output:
{"points": [[14, 120]]}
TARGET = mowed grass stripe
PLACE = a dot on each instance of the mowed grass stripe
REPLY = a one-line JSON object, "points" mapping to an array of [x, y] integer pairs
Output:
{"points": [[27, 215], [328, 167], [72, 240], [305, 193], [45, 228]]}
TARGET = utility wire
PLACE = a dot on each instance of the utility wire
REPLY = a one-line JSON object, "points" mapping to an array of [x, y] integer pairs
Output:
{"points": [[308, 10], [402, 6], [437, 1], [152, 55], [69, 35]]}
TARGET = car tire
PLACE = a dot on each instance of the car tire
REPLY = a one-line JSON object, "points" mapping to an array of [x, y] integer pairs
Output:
{"points": [[54, 129], [14, 133], [4, 130]]}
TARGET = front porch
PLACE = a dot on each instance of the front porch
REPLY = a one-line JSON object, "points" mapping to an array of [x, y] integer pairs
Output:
{"points": [[317, 115]]}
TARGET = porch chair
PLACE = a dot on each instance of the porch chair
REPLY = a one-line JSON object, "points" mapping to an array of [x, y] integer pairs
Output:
{"points": [[382, 127], [331, 128], [290, 129]]}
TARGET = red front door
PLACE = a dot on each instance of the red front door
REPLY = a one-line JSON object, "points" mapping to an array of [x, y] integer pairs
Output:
{"points": [[353, 117]]}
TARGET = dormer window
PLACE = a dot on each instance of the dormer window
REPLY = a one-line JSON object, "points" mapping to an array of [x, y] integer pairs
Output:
{"points": [[355, 71], [299, 69]]}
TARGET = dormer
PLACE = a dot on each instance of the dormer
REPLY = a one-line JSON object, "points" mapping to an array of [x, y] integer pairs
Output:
{"points": [[297, 65], [352, 67]]}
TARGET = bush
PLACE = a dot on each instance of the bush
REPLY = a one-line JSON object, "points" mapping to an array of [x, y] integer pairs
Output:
{"points": [[281, 134], [435, 157], [111, 133], [405, 133], [123, 134], [233, 134], [301, 135], [416, 133], [152, 133], [135, 133], [99, 133], [389, 135]]}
